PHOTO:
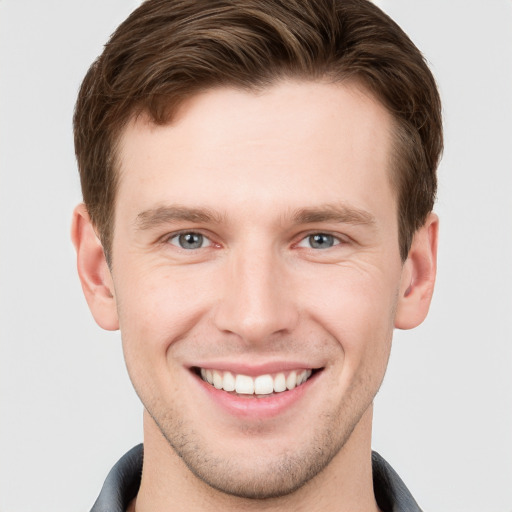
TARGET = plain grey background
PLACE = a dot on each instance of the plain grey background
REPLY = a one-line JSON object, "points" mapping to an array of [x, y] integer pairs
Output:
{"points": [[443, 417]]}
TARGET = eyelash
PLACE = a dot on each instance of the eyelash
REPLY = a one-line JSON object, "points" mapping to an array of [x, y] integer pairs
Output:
{"points": [[336, 240], [177, 236], [309, 237]]}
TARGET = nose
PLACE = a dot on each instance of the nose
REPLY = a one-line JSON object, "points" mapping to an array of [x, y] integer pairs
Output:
{"points": [[257, 300]]}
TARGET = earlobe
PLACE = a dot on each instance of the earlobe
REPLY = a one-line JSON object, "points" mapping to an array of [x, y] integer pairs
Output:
{"points": [[418, 276], [93, 270]]}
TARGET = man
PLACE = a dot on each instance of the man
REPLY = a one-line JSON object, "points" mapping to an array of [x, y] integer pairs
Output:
{"points": [[258, 182]]}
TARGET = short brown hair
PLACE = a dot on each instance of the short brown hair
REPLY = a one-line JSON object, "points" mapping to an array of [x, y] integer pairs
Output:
{"points": [[169, 50]]}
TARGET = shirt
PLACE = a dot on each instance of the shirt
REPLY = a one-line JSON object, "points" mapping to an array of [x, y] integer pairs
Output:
{"points": [[123, 481]]}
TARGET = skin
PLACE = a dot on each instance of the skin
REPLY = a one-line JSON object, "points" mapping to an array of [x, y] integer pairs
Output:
{"points": [[270, 169]]}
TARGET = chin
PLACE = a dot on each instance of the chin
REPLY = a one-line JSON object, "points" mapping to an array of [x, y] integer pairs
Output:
{"points": [[254, 473], [265, 479]]}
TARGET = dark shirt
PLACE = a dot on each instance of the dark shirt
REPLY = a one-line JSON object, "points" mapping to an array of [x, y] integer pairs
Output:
{"points": [[123, 481]]}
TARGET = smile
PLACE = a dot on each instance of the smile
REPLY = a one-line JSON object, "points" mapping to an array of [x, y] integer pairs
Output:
{"points": [[261, 385]]}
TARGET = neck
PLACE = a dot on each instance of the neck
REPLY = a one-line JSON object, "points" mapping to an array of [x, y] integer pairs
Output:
{"points": [[344, 485]]}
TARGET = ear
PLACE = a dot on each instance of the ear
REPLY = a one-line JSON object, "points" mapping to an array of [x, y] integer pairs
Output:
{"points": [[93, 270], [418, 276]]}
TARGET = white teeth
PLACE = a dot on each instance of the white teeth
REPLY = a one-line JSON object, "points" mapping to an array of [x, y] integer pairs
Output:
{"points": [[228, 382], [244, 385], [217, 379], [291, 380], [280, 383], [261, 385], [303, 377]]}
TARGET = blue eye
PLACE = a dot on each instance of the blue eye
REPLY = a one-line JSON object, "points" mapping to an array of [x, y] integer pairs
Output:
{"points": [[190, 241], [319, 241]]}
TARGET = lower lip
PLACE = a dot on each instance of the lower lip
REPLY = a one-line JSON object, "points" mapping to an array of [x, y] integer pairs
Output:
{"points": [[251, 407]]}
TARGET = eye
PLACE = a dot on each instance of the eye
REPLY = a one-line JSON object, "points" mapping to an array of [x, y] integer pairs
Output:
{"points": [[190, 240], [319, 241]]}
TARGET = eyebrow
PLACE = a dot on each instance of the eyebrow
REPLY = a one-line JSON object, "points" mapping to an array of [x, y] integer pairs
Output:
{"points": [[167, 214], [341, 213]]}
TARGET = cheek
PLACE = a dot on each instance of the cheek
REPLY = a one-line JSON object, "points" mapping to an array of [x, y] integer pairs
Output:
{"points": [[155, 309], [352, 300], [357, 310], [161, 299]]}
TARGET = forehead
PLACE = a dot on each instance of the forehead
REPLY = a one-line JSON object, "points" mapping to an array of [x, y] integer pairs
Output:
{"points": [[299, 141]]}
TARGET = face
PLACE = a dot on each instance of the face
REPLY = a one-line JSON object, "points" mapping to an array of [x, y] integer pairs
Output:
{"points": [[256, 274]]}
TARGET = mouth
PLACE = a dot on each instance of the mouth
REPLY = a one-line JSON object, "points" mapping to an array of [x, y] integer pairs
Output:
{"points": [[259, 386]]}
